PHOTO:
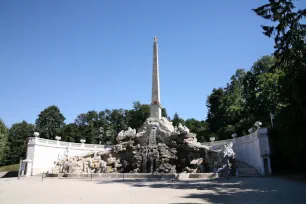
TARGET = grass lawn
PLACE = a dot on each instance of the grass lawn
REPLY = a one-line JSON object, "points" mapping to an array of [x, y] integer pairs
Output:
{"points": [[13, 167]]}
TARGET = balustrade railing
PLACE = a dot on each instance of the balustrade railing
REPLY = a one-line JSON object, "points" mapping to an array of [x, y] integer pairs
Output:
{"points": [[244, 139], [37, 140]]}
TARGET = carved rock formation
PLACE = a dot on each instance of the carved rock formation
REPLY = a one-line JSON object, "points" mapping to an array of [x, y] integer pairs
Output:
{"points": [[157, 147]]}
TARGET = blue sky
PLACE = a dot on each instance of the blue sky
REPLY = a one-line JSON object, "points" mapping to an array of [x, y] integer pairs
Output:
{"points": [[93, 55]]}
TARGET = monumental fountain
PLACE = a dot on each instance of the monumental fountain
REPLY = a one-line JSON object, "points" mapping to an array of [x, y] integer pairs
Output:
{"points": [[157, 147]]}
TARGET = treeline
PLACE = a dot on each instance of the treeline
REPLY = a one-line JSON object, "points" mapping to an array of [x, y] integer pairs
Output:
{"points": [[250, 96], [96, 127], [273, 91]]}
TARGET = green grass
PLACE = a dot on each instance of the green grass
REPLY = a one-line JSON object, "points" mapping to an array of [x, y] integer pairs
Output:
{"points": [[13, 167]]}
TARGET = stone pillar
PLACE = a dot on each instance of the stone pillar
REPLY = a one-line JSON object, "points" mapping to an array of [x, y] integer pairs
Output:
{"points": [[155, 108], [264, 149], [82, 142], [58, 138], [28, 167]]}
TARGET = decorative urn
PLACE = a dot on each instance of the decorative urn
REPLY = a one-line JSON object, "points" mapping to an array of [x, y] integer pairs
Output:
{"points": [[212, 139], [234, 135], [258, 124], [36, 134]]}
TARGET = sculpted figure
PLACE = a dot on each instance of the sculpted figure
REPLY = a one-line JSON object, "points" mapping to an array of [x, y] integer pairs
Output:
{"points": [[67, 167], [123, 135], [103, 166]]}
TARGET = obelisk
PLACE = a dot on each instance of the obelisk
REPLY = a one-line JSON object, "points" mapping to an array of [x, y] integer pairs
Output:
{"points": [[155, 108]]}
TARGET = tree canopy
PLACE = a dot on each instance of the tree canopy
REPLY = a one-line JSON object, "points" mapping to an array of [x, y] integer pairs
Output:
{"points": [[49, 122], [3, 142], [17, 141], [272, 91]]}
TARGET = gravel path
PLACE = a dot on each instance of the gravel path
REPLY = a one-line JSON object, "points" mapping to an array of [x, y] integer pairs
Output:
{"points": [[237, 190]]}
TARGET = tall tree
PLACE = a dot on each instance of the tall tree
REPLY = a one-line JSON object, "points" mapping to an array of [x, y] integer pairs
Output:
{"points": [[215, 113], [164, 113], [3, 142], [17, 141], [290, 48], [233, 102], [49, 122], [89, 124], [200, 128], [71, 133], [176, 120], [138, 115], [288, 138]]}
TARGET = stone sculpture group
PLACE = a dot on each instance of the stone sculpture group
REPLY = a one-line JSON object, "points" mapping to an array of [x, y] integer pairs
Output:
{"points": [[157, 147]]}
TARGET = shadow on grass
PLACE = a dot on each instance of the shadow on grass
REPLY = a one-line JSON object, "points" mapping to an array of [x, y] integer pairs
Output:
{"points": [[236, 190]]}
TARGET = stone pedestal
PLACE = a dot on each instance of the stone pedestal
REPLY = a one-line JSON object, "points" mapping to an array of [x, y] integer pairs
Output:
{"points": [[155, 111], [28, 167]]}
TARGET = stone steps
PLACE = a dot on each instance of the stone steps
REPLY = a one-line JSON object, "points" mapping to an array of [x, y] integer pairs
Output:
{"points": [[245, 170]]}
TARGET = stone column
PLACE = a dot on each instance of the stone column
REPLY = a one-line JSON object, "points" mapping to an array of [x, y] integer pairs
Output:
{"points": [[28, 167], [155, 108]]}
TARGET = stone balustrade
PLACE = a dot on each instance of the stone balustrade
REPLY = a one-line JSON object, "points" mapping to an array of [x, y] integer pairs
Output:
{"points": [[44, 152], [252, 149], [54, 143]]}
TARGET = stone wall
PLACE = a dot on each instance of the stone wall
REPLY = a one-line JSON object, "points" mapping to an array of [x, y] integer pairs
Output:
{"points": [[42, 153], [251, 149]]}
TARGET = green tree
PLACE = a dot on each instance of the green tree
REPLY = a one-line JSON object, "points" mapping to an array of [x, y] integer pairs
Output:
{"points": [[216, 112], [176, 120], [118, 119], [49, 122], [233, 102], [102, 127], [200, 128], [17, 141], [138, 115], [164, 113], [261, 93], [71, 133], [89, 124], [288, 142], [3, 142], [290, 40]]}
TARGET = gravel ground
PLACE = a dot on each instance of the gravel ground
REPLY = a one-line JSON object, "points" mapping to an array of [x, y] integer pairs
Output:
{"points": [[238, 190]]}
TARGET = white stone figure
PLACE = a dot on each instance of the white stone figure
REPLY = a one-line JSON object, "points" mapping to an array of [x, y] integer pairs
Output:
{"points": [[129, 133], [228, 151], [103, 166], [258, 124], [121, 133], [180, 127], [186, 130]]}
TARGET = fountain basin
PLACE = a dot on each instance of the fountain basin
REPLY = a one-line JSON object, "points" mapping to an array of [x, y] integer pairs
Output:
{"points": [[175, 176]]}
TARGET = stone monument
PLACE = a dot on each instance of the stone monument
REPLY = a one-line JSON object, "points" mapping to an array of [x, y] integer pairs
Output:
{"points": [[157, 147], [155, 108]]}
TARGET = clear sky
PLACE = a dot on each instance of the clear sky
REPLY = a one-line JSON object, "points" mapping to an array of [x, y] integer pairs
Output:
{"points": [[93, 55]]}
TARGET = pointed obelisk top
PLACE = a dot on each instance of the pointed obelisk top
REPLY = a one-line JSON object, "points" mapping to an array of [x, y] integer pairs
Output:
{"points": [[155, 104]]}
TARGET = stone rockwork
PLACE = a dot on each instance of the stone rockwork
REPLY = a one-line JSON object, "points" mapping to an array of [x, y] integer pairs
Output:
{"points": [[157, 147]]}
